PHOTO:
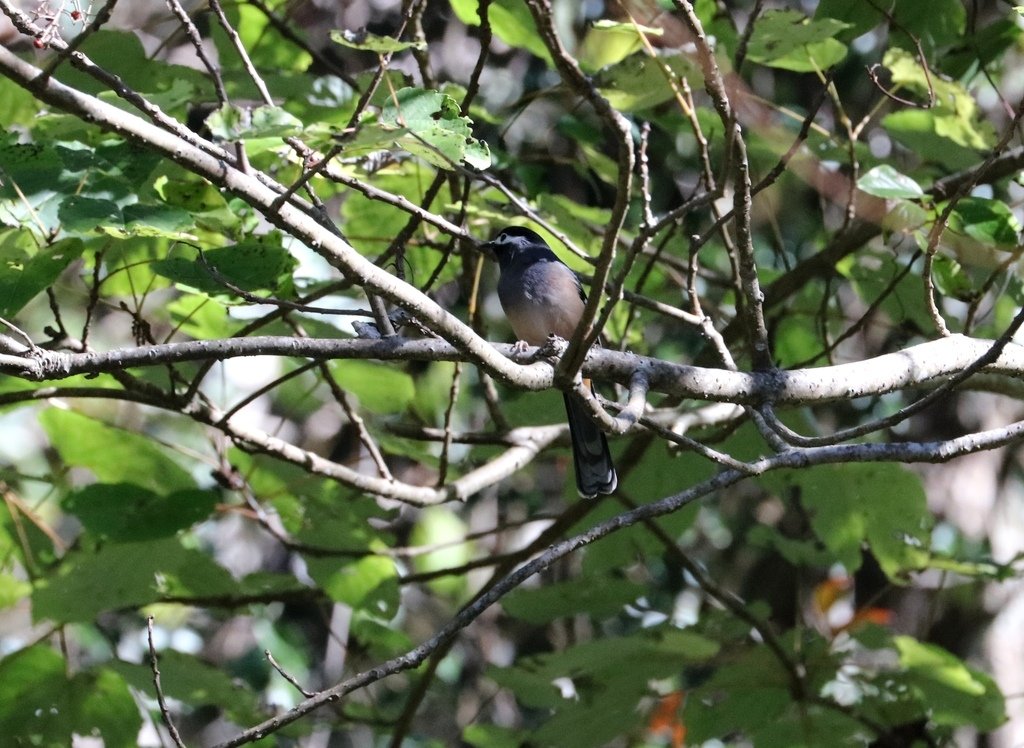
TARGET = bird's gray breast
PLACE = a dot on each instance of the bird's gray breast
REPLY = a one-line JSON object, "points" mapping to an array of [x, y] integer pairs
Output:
{"points": [[540, 299]]}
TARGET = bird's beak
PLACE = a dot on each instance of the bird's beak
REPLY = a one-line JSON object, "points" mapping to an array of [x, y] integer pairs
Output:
{"points": [[487, 248]]}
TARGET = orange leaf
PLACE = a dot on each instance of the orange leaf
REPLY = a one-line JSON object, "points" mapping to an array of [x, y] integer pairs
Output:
{"points": [[665, 719]]}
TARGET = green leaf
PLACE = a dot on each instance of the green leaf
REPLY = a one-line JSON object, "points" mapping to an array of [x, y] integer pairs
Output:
{"points": [[922, 132], [17, 105], [510, 21], [530, 688], [380, 638], [493, 736], [257, 264], [127, 575], [191, 195], [370, 583], [747, 707], [789, 40], [872, 277], [980, 233], [987, 221], [12, 590], [598, 597], [608, 42], [270, 583], [103, 704], [232, 122], [433, 128], [440, 526], [904, 216], [981, 48], [201, 317], [103, 449], [751, 692], [640, 82], [123, 511], [363, 39], [882, 505], [857, 18], [647, 654], [260, 35], [598, 720], [155, 219], [41, 706], [935, 23], [122, 51], [610, 677], [884, 181], [811, 726], [324, 516], [28, 169], [380, 388], [796, 551], [26, 272], [955, 114], [32, 692], [84, 214], [953, 693]]}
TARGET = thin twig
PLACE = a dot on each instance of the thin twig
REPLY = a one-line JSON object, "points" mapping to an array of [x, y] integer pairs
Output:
{"points": [[165, 715], [291, 679], [243, 53], [197, 44]]}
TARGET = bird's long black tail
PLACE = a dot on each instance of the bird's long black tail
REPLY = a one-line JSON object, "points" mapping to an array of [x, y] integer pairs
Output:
{"points": [[595, 473]]}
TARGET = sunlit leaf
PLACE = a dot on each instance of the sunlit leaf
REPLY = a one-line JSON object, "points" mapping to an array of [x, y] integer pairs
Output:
{"points": [[369, 583], [953, 693], [378, 387], [363, 39], [510, 21], [232, 122], [608, 42], [434, 129], [442, 529], [885, 181]]}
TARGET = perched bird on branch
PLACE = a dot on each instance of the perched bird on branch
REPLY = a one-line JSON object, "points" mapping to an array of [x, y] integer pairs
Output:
{"points": [[541, 297]]}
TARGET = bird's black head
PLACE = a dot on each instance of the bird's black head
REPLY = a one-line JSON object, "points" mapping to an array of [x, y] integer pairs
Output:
{"points": [[517, 242]]}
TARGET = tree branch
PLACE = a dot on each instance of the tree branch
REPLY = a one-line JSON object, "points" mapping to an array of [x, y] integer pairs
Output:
{"points": [[912, 367]]}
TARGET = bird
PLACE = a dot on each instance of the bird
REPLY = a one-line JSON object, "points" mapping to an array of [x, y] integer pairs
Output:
{"points": [[542, 296]]}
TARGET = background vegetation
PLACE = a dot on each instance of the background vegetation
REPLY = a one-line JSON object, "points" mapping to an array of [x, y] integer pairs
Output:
{"points": [[272, 473]]}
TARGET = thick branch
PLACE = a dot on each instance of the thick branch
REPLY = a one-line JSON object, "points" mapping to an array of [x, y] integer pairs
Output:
{"points": [[913, 367]]}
